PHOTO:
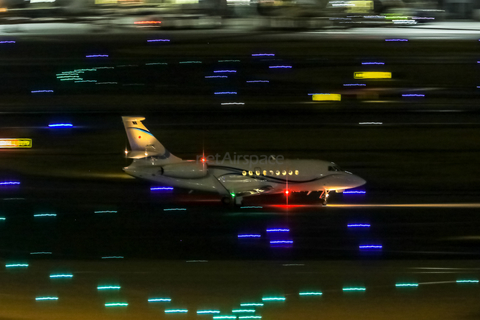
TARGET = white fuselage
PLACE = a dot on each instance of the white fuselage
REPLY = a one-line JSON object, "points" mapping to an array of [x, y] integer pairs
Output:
{"points": [[245, 179]]}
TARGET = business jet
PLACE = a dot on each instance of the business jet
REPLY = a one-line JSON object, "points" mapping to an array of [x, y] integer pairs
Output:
{"points": [[233, 179]]}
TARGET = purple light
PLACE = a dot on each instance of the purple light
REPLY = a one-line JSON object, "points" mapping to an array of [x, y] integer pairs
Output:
{"points": [[7, 41], [213, 77], [370, 246], [161, 189], [373, 63], [60, 125], [278, 230], [42, 91], [9, 183], [358, 225], [354, 192], [263, 55], [413, 95], [224, 71], [159, 40], [280, 67], [249, 236], [226, 92], [97, 56], [281, 242], [397, 40], [257, 81], [354, 85]]}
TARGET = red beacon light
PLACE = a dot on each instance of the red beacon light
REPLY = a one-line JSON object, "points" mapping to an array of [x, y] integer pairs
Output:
{"points": [[203, 159], [287, 192]]}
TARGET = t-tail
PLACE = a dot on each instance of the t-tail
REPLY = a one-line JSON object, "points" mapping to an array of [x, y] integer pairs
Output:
{"points": [[143, 144]]}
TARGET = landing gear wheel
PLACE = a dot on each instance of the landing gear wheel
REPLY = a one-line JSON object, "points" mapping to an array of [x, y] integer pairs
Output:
{"points": [[324, 197], [227, 200]]}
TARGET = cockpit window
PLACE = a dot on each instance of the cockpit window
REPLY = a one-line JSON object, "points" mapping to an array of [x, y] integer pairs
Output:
{"points": [[334, 168]]}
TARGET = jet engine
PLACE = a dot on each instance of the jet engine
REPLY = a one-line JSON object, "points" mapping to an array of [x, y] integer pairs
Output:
{"points": [[184, 170]]}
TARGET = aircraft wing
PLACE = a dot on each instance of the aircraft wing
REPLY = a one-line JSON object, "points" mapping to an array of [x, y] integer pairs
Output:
{"points": [[239, 192]]}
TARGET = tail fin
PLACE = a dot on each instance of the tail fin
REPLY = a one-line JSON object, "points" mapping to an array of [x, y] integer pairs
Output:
{"points": [[143, 143]]}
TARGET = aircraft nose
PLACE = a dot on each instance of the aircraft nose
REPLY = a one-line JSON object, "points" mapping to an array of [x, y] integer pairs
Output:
{"points": [[357, 181]]}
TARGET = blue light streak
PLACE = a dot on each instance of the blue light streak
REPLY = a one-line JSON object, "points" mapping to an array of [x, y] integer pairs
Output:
{"points": [[2, 218], [263, 55], [41, 252], [396, 40], [243, 310], [42, 91], [190, 62], [258, 81], [106, 211], [116, 304], [176, 310], [278, 230], [310, 293], [45, 215], [280, 67], [249, 236], [370, 246], [373, 63], [17, 265], [413, 95], [354, 85], [175, 209], [224, 317], [281, 242], [252, 207], [273, 299], [208, 311], [250, 317], [46, 298], [354, 192], [226, 92], [158, 40], [354, 289], [399, 285], [161, 188], [60, 125], [61, 275], [97, 56], [7, 41], [358, 225], [467, 281], [108, 288], [8, 183], [159, 300], [225, 71], [251, 304], [113, 257], [215, 77]]}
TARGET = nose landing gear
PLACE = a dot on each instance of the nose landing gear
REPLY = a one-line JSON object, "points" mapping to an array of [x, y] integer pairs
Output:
{"points": [[324, 197]]}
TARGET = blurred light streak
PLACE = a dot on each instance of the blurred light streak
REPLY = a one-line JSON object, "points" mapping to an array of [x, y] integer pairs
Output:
{"points": [[251, 304], [250, 317], [400, 285], [158, 40], [278, 230], [85, 81], [273, 299], [354, 289], [327, 97], [108, 82], [61, 275], [258, 81], [16, 265], [233, 103], [41, 252], [161, 189], [45, 298], [243, 310], [252, 207], [176, 310], [249, 236], [224, 71], [7, 41], [224, 317], [467, 281], [367, 123], [372, 75], [15, 143], [196, 261], [370, 246], [190, 62], [226, 92], [60, 125], [159, 300], [373, 63], [42, 91], [45, 215], [106, 211], [354, 85], [113, 257], [263, 55], [116, 304], [358, 225], [97, 56], [280, 67], [108, 288], [148, 22], [310, 293], [175, 209], [208, 311], [396, 40], [215, 77], [354, 192], [3, 219], [413, 95], [281, 242]]}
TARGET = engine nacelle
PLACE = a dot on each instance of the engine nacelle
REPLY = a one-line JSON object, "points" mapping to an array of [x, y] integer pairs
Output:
{"points": [[185, 170]]}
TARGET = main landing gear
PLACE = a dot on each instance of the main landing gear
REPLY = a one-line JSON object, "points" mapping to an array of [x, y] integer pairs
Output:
{"points": [[324, 197], [232, 201]]}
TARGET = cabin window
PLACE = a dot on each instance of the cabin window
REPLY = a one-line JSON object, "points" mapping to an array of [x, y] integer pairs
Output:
{"points": [[257, 172], [244, 173], [271, 172], [278, 172], [296, 172], [250, 173], [264, 172], [290, 172], [284, 172]]}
